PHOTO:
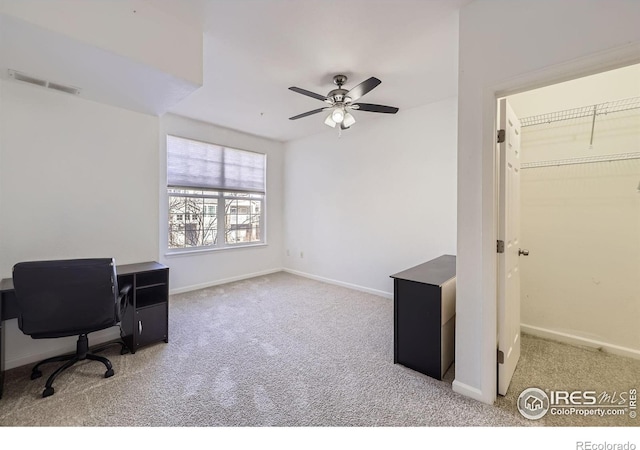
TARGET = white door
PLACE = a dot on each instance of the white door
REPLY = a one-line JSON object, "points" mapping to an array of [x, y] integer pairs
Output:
{"points": [[508, 261]]}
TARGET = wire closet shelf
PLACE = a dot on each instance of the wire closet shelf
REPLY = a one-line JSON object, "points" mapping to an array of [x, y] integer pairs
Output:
{"points": [[585, 160], [583, 111]]}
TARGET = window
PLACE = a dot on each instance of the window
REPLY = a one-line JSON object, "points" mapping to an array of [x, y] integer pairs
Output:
{"points": [[216, 195]]}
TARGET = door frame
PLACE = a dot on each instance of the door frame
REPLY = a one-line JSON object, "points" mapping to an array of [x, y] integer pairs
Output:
{"points": [[589, 65]]}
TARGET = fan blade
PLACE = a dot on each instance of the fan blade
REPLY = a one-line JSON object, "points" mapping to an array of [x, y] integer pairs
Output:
{"points": [[375, 108], [361, 89], [307, 93], [308, 113]]}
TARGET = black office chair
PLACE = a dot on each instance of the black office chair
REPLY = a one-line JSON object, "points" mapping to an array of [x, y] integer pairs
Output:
{"points": [[68, 298]]}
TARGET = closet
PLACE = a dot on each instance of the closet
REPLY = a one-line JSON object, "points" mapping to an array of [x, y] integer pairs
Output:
{"points": [[580, 211]]}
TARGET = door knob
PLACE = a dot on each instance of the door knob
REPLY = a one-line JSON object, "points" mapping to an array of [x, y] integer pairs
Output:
{"points": [[523, 252]]}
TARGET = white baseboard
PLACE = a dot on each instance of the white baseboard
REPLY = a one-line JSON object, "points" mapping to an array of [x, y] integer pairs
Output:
{"points": [[341, 283], [68, 346], [195, 287], [577, 340]]}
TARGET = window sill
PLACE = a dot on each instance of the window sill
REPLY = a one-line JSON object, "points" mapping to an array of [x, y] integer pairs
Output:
{"points": [[199, 251]]}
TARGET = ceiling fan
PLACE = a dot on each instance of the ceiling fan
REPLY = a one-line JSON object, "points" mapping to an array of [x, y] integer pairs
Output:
{"points": [[342, 101]]}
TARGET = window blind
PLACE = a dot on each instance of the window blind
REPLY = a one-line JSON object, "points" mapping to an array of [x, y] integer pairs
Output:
{"points": [[195, 164]]}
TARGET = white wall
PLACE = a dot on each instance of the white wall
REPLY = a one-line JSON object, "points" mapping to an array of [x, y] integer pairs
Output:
{"points": [[78, 179], [508, 46], [581, 225], [580, 281], [377, 200], [192, 271]]}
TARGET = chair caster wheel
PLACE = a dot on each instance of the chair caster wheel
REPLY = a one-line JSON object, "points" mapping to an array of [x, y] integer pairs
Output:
{"points": [[109, 373], [36, 374], [48, 392]]}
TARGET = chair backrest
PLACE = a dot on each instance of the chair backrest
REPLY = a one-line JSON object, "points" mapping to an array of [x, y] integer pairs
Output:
{"points": [[65, 297]]}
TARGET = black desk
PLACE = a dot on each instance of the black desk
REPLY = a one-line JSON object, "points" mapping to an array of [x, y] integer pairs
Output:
{"points": [[148, 304], [424, 310]]}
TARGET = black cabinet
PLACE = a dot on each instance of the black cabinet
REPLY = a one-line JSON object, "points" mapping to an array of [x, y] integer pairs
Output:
{"points": [[424, 316], [151, 323], [146, 317]]}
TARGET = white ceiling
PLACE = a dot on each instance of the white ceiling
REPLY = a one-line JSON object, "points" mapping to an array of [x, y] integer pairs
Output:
{"points": [[255, 49]]}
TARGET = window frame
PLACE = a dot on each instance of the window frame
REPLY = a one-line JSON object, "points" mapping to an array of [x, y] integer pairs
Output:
{"points": [[221, 196]]}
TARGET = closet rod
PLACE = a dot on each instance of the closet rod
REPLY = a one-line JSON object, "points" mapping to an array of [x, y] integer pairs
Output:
{"points": [[585, 160], [583, 111]]}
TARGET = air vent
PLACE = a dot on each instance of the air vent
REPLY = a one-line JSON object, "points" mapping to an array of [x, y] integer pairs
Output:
{"points": [[26, 78], [44, 83], [63, 88]]}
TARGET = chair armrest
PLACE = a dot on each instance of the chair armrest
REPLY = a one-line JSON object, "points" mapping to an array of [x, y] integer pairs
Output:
{"points": [[125, 290], [122, 302]]}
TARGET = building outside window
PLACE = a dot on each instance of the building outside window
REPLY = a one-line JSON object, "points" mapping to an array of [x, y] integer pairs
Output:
{"points": [[216, 195]]}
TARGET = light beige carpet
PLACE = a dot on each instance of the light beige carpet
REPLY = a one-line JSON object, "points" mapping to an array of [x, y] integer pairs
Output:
{"points": [[553, 366], [276, 350]]}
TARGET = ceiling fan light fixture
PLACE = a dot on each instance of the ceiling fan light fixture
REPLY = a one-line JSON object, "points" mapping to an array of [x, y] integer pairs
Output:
{"points": [[338, 115], [348, 120], [329, 121]]}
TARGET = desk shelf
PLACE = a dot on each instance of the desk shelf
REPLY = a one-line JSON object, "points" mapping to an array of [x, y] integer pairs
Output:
{"points": [[146, 317]]}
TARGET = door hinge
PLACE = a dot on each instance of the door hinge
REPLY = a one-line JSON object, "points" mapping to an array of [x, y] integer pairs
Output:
{"points": [[500, 246], [500, 357], [500, 136]]}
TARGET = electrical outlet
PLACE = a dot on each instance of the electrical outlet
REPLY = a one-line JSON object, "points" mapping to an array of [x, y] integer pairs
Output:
{"points": [[288, 254], [301, 254]]}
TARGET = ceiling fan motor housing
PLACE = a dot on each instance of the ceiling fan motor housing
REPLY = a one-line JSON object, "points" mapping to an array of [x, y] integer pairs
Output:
{"points": [[337, 96]]}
